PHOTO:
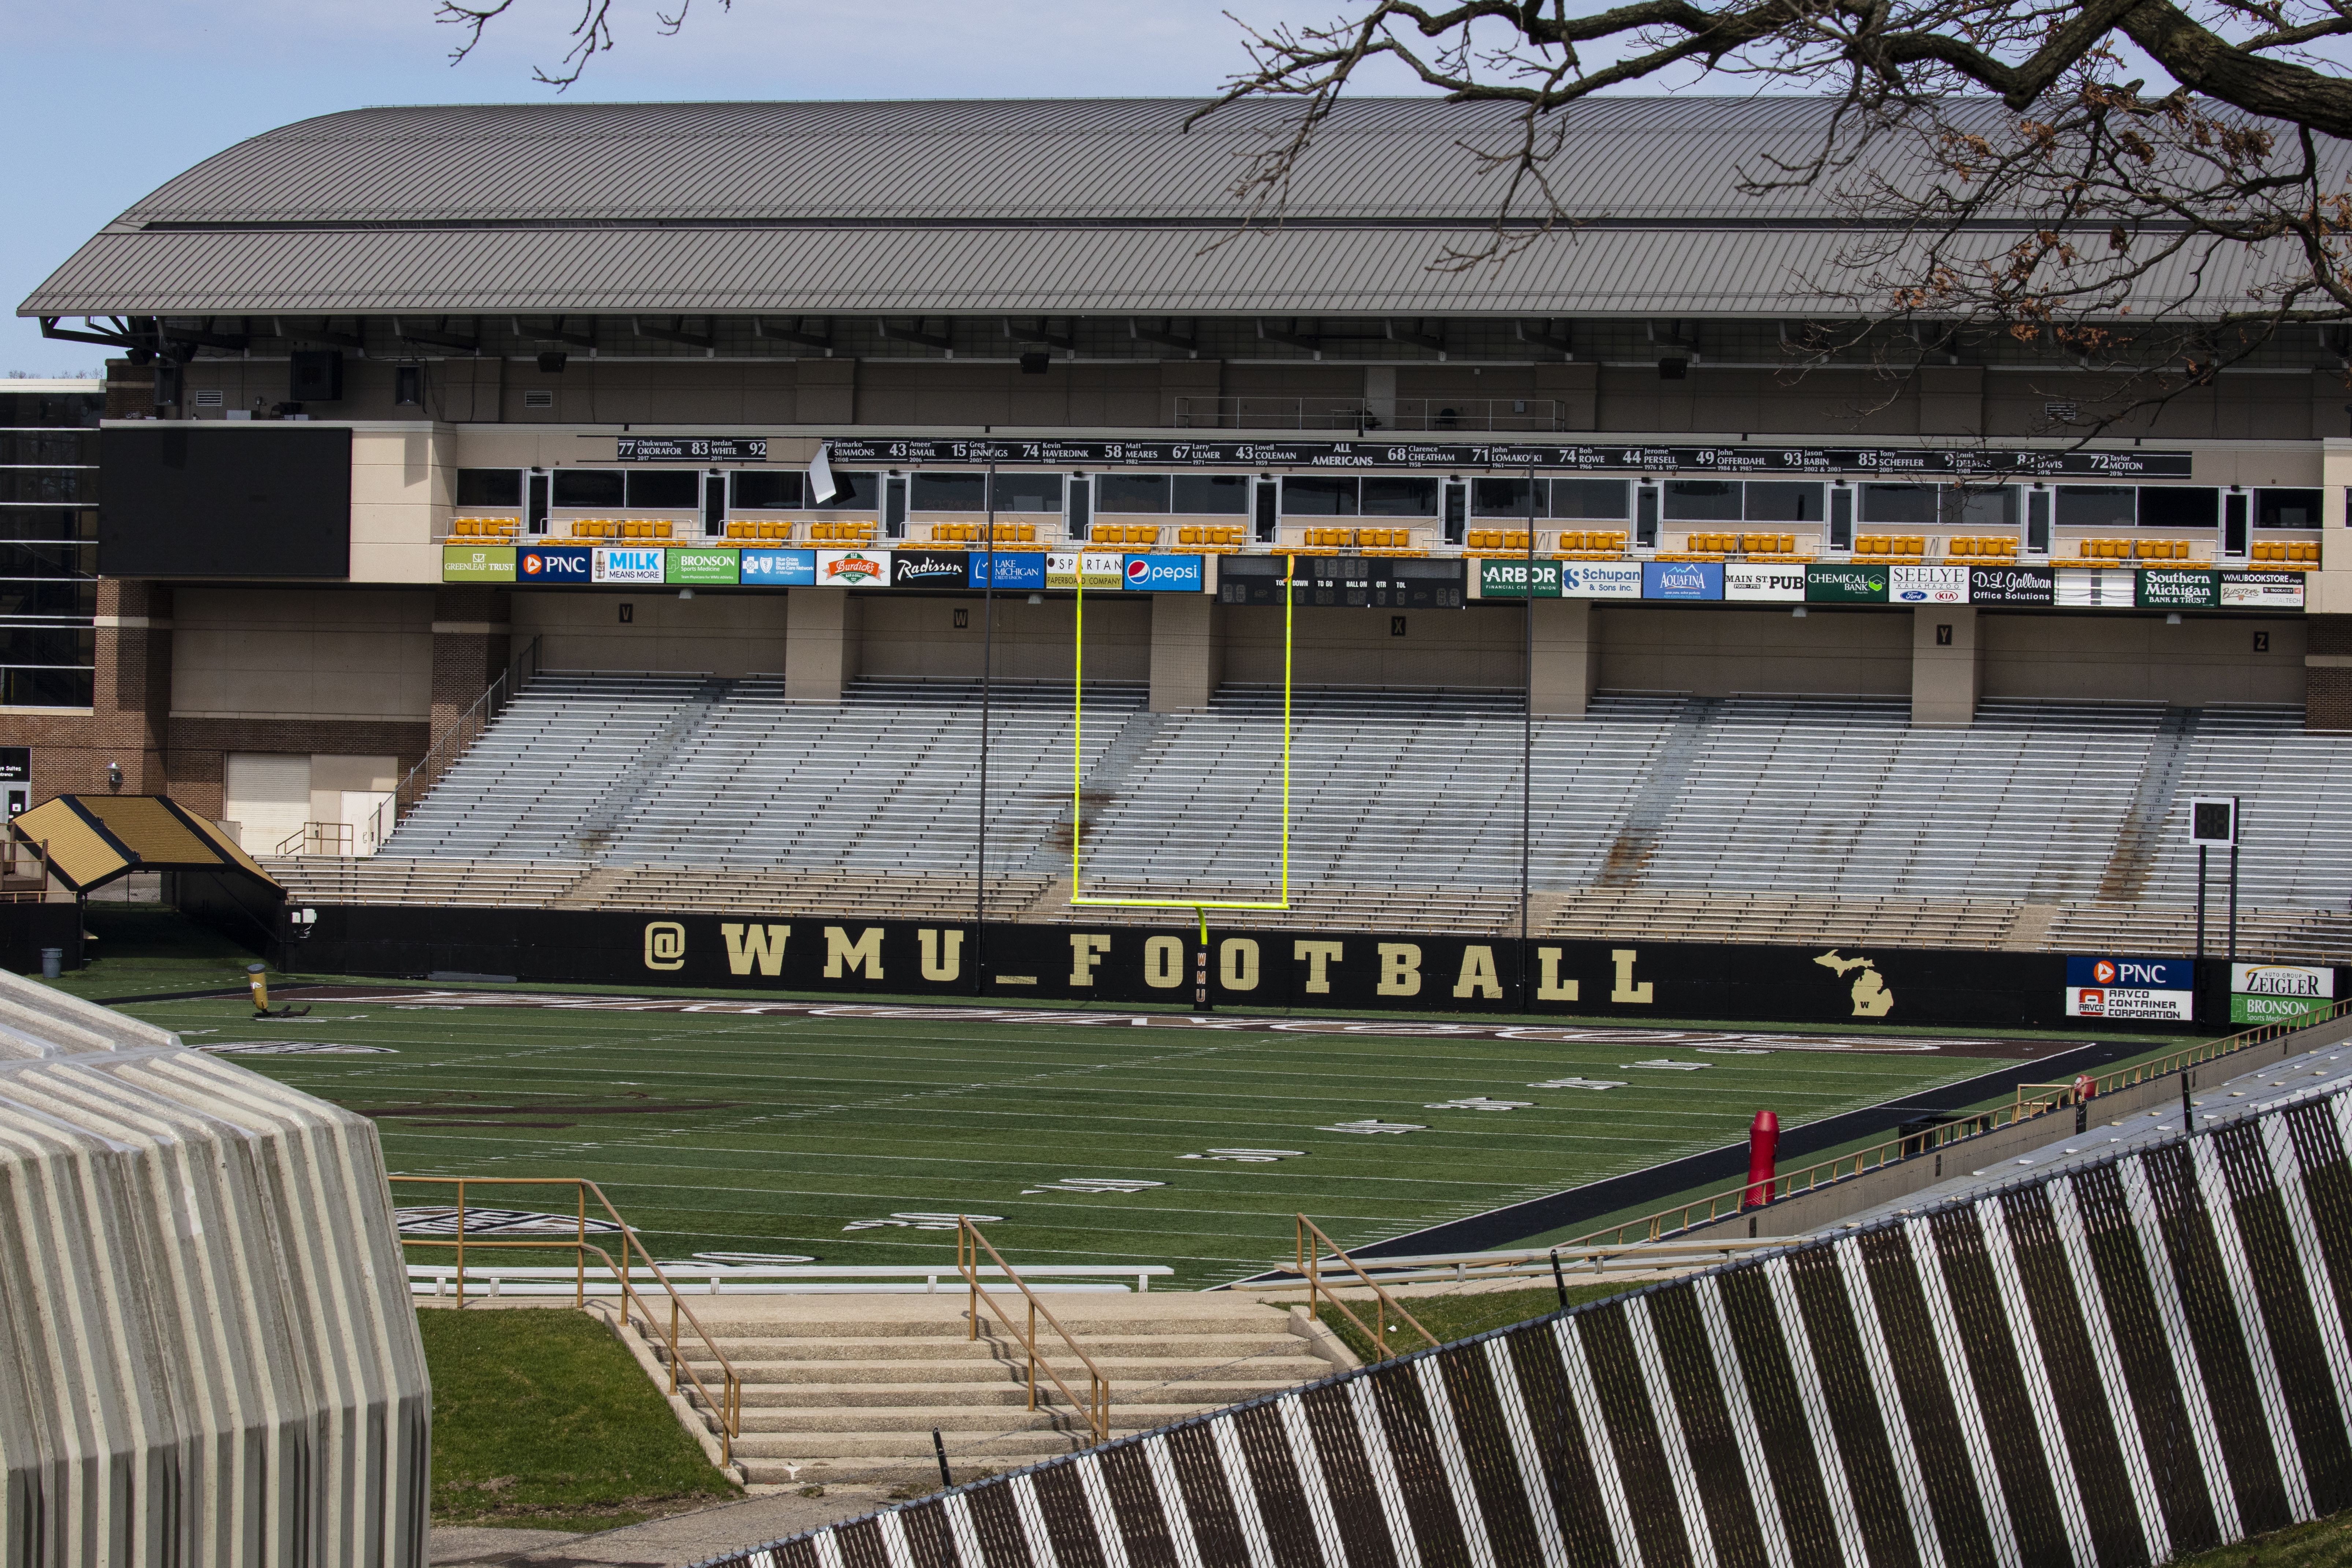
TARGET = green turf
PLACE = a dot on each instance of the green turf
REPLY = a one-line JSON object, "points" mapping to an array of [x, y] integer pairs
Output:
{"points": [[1457, 1317], [771, 1134], [540, 1419], [2324, 1543]]}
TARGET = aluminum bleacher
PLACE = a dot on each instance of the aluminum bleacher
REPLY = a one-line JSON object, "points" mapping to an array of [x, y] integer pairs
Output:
{"points": [[1755, 819]]}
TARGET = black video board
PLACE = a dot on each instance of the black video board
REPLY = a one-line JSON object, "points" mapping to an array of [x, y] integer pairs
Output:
{"points": [[1367, 582]]}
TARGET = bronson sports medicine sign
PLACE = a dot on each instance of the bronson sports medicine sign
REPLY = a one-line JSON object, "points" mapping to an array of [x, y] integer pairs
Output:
{"points": [[1415, 971]]}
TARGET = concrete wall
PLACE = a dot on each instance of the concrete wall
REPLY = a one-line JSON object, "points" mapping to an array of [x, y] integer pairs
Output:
{"points": [[302, 653], [403, 485], [1717, 652], [2136, 658], [918, 640], [711, 634], [1480, 647]]}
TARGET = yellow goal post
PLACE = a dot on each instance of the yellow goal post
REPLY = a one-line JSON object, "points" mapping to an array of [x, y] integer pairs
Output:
{"points": [[1199, 907]]}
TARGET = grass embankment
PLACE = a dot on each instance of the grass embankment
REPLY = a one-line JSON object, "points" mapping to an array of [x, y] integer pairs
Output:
{"points": [[2323, 1543], [1452, 1318], [541, 1420]]}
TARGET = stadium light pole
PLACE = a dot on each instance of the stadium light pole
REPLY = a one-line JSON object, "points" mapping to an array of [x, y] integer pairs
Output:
{"points": [[987, 663]]}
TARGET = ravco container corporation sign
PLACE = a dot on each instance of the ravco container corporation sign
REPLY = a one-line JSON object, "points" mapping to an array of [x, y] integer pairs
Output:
{"points": [[2159, 989]]}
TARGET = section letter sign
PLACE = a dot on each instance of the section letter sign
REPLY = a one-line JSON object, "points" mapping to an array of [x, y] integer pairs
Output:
{"points": [[1682, 580], [853, 568], [552, 563], [781, 568], [1843, 585], [927, 569], [1164, 574], [997, 570], [478, 564], [2162, 588], [2162, 989], [2012, 585], [1598, 580], [1516, 577], [1928, 584], [1764, 584], [2279, 992], [629, 564], [713, 566]]}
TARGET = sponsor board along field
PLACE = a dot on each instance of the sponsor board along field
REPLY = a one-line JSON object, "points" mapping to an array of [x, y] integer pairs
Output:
{"points": [[852, 1134]]}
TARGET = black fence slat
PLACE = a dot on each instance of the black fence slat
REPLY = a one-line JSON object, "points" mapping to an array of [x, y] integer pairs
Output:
{"points": [[1945, 1469], [1718, 1466], [1871, 1479], [930, 1540], [1793, 1452], [1069, 1522], [1634, 1434], [1353, 1497], [1487, 1450], [1570, 1467], [1282, 1501], [1420, 1472]]}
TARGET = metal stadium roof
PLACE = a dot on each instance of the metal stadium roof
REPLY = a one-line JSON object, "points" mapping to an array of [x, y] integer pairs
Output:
{"points": [[1075, 206]]}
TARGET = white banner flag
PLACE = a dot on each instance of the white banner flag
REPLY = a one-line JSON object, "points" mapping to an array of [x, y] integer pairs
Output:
{"points": [[820, 478]]}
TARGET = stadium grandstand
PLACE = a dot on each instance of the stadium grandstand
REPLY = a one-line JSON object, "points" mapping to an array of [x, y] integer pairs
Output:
{"points": [[690, 508]]}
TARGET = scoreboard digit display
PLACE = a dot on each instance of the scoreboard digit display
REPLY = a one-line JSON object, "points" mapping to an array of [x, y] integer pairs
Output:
{"points": [[1363, 581]]}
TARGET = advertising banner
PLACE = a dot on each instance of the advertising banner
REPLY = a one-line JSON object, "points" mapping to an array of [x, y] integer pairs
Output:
{"points": [[853, 568], [1764, 584], [781, 568], [553, 564], [1846, 584], [2012, 585], [716, 566], [1164, 574], [2162, 989], [1928, 584], [1516, 577], [1682, 580], [2098, 590], [629, 564], [478, 564], [2261, 590], [1088, 569], [2172, 590], [996, 569], [927, 569], [1598, 580], [2279, 992]]}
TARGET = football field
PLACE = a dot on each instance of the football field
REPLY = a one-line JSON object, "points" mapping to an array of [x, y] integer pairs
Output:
{"points": [[841, 1133]]}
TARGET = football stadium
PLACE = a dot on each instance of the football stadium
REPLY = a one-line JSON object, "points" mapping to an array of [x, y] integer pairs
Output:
{"points": [[814, 726]]}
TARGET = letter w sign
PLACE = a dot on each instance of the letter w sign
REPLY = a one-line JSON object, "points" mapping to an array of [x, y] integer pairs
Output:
{"points": [[763, 946]]}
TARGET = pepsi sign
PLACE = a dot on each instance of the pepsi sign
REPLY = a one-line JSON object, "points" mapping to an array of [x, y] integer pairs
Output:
{"points": [[555, 565], [1163, 573]]}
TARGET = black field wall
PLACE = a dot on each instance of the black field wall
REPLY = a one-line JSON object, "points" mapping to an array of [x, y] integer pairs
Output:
{"points": [[2142, 1358], [1416, 972]]}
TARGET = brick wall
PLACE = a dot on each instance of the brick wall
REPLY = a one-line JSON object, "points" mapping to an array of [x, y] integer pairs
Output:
{"points": [[2327, 687]]}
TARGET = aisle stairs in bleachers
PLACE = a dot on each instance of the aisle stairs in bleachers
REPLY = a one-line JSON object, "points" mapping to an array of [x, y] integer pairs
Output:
{"points": [[1662, 818]]}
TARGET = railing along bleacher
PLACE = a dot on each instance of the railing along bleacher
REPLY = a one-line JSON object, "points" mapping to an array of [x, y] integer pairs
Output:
{"points": [[454, 741], [1096, 1407], [2032, 1100], [1310, 1266], [726, 1405]]}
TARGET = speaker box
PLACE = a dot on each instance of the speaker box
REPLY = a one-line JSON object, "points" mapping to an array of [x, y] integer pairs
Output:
{"points": [[318, 376]]}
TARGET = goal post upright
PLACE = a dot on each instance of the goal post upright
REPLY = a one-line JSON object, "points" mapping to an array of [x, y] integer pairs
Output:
{"points": [[1077, 765]]}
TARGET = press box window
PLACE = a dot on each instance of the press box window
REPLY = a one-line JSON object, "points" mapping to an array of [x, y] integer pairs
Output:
{"points": [[2097, 506], [2179, 506], [2286, 509], [1508, 498], [1906, 504], [489, 487], [1702, 500], [589, 486], [1780, 501], [1028, 492], [1209, 495], [1592, 501], [1317, 495], [860, 492], [1399, 497], [1132, 493], [949, 492], [765, 493], [664, 489], [1981, 506]]}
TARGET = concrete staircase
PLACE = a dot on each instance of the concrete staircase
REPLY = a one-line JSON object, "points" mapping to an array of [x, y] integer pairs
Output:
{"points": [[848, 1388]]}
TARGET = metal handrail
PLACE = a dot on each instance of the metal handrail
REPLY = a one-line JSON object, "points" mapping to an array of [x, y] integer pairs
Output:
{"points": [[1096, 1405], [502, 691], [727, 1405], [1862, 1161], [1310, 1264]]}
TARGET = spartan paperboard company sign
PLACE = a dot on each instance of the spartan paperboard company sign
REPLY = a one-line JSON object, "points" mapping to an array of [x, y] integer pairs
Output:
{"points": [[2170, 590], [781, 568], [853, 568], [714, 566], [2161, 990], [1682, 580], [1085, 569], [1764, 584], [2012, 585], [1839, 584], [478, 564], [1021, 964], [927, 569], [1928, 584], [2279, 992], [553, 564], [2261, 590], [1600, 579], [2098, 590], [629, 564]]}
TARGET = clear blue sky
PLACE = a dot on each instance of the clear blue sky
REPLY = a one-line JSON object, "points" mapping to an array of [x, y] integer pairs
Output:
{"points": [[107, 99]]}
